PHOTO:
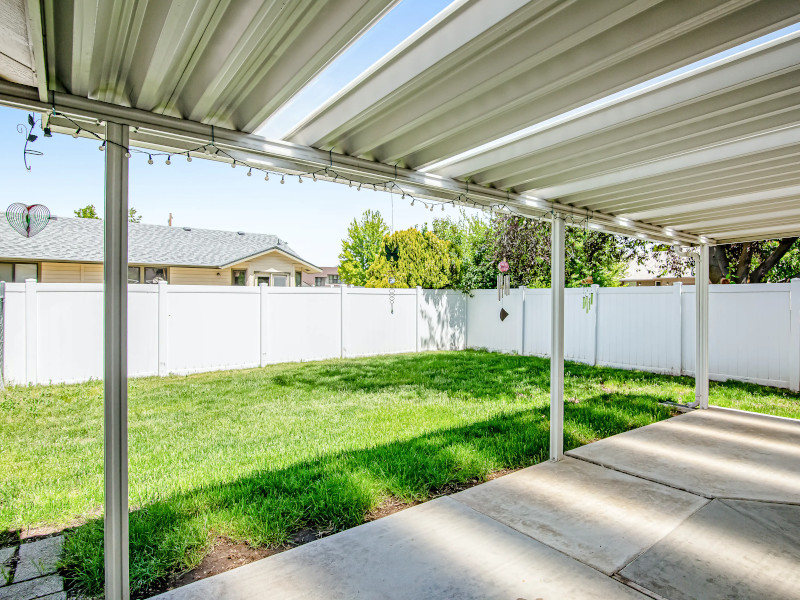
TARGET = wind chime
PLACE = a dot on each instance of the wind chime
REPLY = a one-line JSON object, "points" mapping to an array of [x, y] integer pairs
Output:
{"points": [[392, 255], [588, 294], [503, 287], [27, 220]]}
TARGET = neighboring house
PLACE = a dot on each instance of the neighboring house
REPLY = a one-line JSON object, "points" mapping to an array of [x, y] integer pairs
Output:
{"points": [[644, 275], [326, 276], [71, 251]]}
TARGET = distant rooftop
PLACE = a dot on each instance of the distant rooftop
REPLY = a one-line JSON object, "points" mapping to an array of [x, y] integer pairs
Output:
{"points": [[82, 240]]}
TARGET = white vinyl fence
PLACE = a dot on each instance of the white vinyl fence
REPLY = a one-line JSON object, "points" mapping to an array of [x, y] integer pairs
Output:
{"points": [[53, 332]]}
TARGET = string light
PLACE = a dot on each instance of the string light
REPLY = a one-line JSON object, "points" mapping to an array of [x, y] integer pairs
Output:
{"points": [[102, 147], [127, 155], [358, 189], [168, 161], [266, 176], [282, 181], [233, 164], [250, 172], [314, 177], [76, 133], [299, 179], [188, 157], [150, 159]]}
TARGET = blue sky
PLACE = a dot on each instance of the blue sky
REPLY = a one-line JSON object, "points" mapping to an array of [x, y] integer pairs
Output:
{"points": [[311, 217]]}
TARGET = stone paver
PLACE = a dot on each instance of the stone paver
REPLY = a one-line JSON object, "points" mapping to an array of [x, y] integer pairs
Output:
{"points": [[6, 555], [38, 558], [33, 588]]}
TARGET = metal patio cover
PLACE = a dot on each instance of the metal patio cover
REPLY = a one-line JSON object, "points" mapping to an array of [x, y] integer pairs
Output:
{"points": [[708, 156]]}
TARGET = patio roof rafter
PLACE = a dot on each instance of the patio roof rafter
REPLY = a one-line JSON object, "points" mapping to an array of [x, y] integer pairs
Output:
{"points": [[164, 133]]}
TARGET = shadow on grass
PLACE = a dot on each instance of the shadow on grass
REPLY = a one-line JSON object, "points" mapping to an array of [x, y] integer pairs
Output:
{"points": [[336, 491]]}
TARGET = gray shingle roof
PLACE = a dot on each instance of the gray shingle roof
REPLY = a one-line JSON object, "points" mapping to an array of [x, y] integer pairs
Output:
{"points": [[82, 240]]}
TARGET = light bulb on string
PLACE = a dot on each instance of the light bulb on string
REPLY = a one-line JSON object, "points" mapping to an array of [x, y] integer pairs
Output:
{"points": [[149, 159], [266, 176], [314, 177], [102, 147], [299, 179], [412, 202], [250, 172], [76, 133], [188, 157], [233, 164], [442, 207], [358, 189], [431, 207], [349, 183], [206, 150], [168, 161], [374, 188], [282, 181], [127, 154]]}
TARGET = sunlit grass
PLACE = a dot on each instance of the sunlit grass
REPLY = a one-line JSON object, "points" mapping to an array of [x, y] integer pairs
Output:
{"points": [[257, 455]]}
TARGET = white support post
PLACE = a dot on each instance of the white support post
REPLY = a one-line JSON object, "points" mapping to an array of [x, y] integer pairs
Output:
{"points": [[115, 269], [31, 332], [522, 323], [676, 346], [417, 305], [794, 335], [701, 340], [163, 329], [557, 339], [342, 320], [264, 290]]}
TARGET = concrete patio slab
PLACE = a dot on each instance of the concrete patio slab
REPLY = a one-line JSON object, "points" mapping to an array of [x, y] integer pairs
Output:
{"points": [[440, 549], [728, 550], [717, 453], [38, 558], [602, 517]]}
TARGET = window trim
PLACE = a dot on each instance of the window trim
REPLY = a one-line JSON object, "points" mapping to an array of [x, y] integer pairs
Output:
{"points": [[233, 277]]}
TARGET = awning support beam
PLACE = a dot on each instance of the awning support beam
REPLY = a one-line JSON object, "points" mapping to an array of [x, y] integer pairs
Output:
{"points": [[115, 367], [701, 337], [557, 338], [172, 134]]}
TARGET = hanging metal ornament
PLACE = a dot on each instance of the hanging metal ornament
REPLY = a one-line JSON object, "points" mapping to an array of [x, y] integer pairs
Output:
{"points": [[503, 287], [392, 255], [28, 220]]}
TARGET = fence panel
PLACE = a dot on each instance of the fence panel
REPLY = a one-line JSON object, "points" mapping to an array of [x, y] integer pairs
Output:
{"points": [[14, 323], [484, 327], [442, 315], [749, 331], [370, 327], [636, 328], [303, 324], [212, 328]]}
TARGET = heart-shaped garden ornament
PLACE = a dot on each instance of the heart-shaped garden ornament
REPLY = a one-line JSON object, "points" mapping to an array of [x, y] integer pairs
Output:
{"points": [[27, 220]]}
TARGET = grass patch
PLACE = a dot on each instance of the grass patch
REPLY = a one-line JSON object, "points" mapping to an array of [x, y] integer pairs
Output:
{"points": [[257, 455]]}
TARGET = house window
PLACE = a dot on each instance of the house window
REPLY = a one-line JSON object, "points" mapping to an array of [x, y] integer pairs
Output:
{"points": [[280, 280], [333, 278], [155, 274], [298, 279], [239, 276], [319, 281], [134, 275], [262, 279], [18, 272]]}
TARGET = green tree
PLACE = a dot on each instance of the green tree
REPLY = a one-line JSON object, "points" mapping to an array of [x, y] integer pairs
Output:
{"points": [[90, 212], [362, 245], [755, 262], [525, 244], [470, 244], [422, 259], [87, 212]]}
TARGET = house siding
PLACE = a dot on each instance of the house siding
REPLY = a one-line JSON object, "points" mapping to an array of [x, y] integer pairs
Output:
{"points": [[195, 276], [70, 273]]}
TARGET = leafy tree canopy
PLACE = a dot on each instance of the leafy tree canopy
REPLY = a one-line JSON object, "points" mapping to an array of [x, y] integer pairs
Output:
{"points": [[90, 212], [360, 248], [422, 259], [87, 212]]}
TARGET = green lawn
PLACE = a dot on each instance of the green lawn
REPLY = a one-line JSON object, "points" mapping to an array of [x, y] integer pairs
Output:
{"points": [[257, 455]]}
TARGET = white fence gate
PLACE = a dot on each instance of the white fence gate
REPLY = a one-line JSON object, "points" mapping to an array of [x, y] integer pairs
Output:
{"points": [[53, 332]]}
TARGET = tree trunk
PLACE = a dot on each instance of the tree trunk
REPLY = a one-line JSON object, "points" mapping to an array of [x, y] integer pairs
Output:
{"points": [[766, 265], [718, 263]]}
